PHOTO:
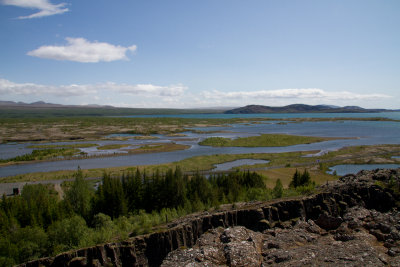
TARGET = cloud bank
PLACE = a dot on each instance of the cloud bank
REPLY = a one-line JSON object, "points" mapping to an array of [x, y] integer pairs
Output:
{"points": [[82, 50], [44, 6], [306, 93], [10, 88], [178, 95]]}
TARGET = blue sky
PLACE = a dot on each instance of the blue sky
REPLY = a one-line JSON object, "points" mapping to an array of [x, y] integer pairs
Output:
{"points": [[203, 53]]}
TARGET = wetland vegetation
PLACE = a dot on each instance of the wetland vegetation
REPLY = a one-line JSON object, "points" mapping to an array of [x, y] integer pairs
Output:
{"points": [[42, 154], [91, 128]]}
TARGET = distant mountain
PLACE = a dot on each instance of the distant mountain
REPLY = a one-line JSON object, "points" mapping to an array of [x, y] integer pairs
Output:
{"points": [[42, 104], [40, 109], [301, 108]]}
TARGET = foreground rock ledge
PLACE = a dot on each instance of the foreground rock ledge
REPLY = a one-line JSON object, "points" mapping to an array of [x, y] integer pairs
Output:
{"points": [[354, 222]]}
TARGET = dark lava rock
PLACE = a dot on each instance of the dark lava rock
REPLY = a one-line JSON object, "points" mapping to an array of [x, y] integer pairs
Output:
{"points": [[356, 231], [393, 252], [328, 222], [235, 246], [238, 246], [78, 262]]}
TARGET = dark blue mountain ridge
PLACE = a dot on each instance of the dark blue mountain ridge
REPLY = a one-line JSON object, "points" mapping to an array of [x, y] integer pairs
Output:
{"points": [[302, 108]]}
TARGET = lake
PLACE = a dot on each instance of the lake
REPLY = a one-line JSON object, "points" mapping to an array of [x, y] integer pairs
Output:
{"points": [[389, 115], [365, 132]]}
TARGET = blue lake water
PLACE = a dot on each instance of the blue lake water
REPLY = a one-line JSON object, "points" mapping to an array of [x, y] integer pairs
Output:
{"points": [[364, 132], [389, 115]]}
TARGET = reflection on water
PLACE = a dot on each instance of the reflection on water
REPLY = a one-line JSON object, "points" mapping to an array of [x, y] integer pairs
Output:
{"points": [[355, 168], [240, 162]]}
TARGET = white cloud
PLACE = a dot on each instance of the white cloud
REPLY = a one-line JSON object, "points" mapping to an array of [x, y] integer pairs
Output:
{"points": [[301, 94], [81, 50], [10, 88], [179, 96], [146, 89], [44, 6]]}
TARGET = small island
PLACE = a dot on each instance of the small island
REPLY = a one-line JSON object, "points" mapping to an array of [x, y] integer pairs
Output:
{"points": [[264, 140]]}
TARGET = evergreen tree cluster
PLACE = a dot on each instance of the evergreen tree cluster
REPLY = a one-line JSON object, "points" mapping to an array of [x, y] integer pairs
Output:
{"points": [[138, 191], [298, 179], [38, 223]]}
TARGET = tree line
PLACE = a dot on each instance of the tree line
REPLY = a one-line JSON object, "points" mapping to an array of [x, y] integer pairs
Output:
{"points": [[39, 223]]}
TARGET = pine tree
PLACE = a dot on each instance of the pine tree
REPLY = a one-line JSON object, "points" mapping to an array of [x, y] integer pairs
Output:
{"points": [[278, 189], [133, 190], [79, 195], [111, 198], [305, 178], [295, 180]]}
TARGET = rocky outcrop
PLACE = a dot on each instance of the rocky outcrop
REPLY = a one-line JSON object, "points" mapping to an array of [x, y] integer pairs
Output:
{"points": [[352, 222], [304, 243]]}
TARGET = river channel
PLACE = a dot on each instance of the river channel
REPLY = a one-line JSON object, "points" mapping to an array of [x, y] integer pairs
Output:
{"points": [[363, 132]]}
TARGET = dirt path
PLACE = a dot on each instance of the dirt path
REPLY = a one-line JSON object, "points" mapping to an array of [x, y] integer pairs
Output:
{"points": [[60, 191]]}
